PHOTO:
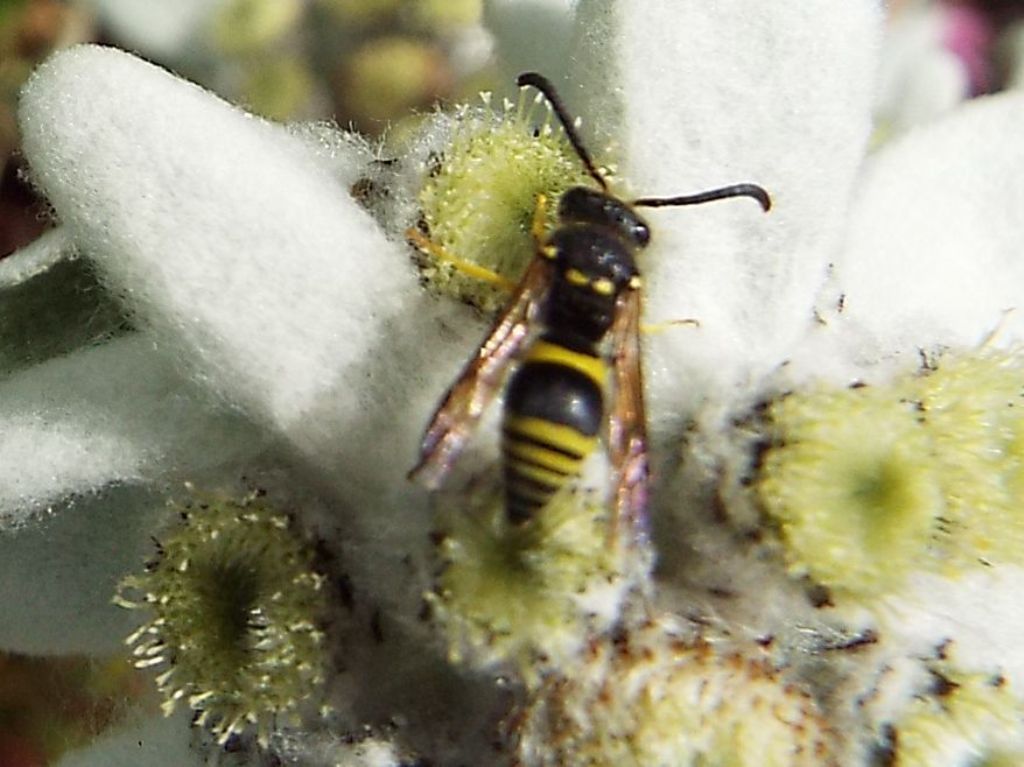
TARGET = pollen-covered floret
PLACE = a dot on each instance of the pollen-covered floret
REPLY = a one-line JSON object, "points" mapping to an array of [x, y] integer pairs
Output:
{"points": [[853, 487], [235, 608], [650, 697], [528, 593], [479, 200], [868, 484], [974, 414], [963, 719]]}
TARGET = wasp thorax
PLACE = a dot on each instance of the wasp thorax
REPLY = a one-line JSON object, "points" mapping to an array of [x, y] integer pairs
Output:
{"points": [[594, 267], [595, 252], [590, 206]]}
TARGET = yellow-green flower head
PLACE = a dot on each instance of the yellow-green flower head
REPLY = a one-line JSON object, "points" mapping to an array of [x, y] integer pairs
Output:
{"points": [[277, 86], [974, 413], [649, 698], [353, 12], [852, 483], [925, 473], [446, 15], [528, 594], [388, 76], [248, 26], [965, 720], [235, 607], [479, 200]]}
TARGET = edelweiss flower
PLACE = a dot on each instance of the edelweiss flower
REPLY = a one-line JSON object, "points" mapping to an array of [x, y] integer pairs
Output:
{"points": [[265, 319]]}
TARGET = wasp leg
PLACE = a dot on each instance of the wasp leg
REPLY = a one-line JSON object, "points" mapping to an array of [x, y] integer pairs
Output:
{"points": [[540, 218], [650, 328], [997, 331], [416, 238]]}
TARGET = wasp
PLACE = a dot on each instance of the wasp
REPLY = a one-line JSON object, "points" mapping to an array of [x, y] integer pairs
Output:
{"points": [[573, 326]]}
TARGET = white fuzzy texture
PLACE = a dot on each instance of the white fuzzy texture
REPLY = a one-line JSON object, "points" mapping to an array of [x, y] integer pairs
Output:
{"points": [[934, 249], [776, 94], [51, 247], [235, 243], [980, 612], [115, 413], [223, 232], [346, 155]]}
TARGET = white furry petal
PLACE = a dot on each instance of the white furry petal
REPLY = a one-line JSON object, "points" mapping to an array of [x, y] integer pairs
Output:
{"points": [[718, 93], [223, 232], [109, 414], [935, 241]]}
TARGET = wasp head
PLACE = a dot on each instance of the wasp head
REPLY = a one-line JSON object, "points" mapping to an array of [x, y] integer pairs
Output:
{"points": [[583, 205]]}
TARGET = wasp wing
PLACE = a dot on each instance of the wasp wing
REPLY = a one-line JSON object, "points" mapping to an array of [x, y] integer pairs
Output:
{"points": [[626, 425], [481, 378]]}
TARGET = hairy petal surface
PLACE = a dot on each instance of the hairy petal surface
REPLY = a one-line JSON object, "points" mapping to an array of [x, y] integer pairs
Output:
{"points": [[220, 230], [108, 414], [720, 93], [978, 611], [934, 252], [242, 255], [232, 239]]}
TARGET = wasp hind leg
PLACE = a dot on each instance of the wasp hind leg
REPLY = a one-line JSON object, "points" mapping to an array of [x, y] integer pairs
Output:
{"points": [[419, 240], [538, 230]]}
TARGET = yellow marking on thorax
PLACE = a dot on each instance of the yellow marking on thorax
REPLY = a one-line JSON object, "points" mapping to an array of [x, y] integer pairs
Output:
{"points": [[576, 277], [594, 368]]}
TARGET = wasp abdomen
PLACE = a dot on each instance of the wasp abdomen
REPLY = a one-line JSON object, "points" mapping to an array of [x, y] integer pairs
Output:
{"points": [[554, 409]]}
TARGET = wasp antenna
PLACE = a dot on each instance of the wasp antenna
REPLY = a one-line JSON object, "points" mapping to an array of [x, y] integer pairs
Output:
{"points": [[736, 190], [548, 91]]}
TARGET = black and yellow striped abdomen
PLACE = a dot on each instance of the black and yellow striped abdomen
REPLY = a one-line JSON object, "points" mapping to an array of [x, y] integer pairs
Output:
{"points": [[554, 408]]}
